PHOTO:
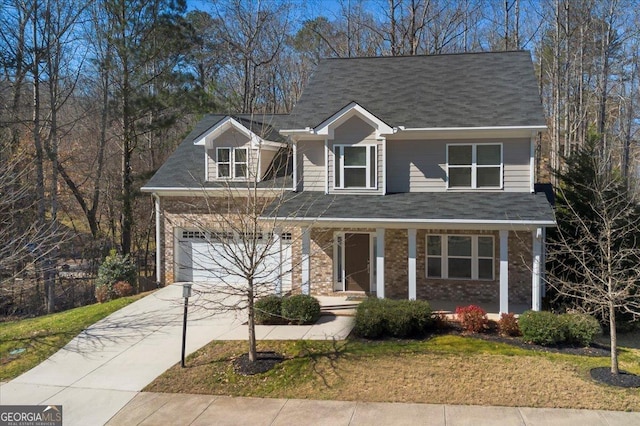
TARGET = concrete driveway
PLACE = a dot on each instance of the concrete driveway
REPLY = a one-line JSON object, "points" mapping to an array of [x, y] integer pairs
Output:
{"points": [[105, 366]]}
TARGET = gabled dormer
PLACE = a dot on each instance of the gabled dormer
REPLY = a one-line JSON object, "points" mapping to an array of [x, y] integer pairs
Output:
{"points": [[239, 149]]}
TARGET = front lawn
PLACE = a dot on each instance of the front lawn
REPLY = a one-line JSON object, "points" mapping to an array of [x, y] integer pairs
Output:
{"points": [[446, 369], [34, 340]]}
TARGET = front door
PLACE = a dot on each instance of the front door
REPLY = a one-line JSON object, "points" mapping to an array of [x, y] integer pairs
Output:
{"points": [[356, 262]]}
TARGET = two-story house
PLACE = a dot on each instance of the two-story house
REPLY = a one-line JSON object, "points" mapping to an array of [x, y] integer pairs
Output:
{"points": [[411, 177]]}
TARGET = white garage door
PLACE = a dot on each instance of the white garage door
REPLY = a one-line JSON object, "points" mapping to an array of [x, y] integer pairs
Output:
{"points": [[201, 257]]}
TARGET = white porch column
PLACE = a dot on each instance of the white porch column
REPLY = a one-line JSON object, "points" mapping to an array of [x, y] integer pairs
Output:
{"points": [[305, 261], [380, 263], [504, 271], [411, 261], [536, 287], [277, 246], [159, 244]]}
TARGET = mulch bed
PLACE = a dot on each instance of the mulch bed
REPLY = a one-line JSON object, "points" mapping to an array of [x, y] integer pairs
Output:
{"points": [[622, 379], [264, 362]]}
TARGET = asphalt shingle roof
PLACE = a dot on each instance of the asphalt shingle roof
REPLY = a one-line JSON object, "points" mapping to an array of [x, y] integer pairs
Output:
{"points": [[185, 167], [421, 206], [454, 90]]}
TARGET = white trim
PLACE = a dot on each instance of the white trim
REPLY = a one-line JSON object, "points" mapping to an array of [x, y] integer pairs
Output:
{"points": [[159, 246], [338, 243], [294, 185], [380, 263], [206, 165], [417, 221], [232, 164], [474, 166], [532, 169], [228, 123], [353, 109], [326, 166], [504, 271], [305, 261], [536, 290], [384, 166], [411, 262], [457, 129], [338, 161]]}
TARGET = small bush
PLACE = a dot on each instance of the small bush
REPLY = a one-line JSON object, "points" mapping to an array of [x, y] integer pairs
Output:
{"points": [[116, 268], [122, 289], [508, 325], [542, 328], [473, 318], [268, 310], [377, 318], [102, 294], [580, 329], [370, 319], [301, 309]]}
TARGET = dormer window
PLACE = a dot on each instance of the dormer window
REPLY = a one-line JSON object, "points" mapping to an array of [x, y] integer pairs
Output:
{"points": [[355, 166], [231, 163]]}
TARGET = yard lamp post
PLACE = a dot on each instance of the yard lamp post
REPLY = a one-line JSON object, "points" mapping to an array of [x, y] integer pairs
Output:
{"points": [[186, 293]]}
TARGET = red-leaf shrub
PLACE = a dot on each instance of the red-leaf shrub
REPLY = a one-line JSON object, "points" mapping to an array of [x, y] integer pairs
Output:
{"points": [[122, 289], [508, 325], [472, 318]]}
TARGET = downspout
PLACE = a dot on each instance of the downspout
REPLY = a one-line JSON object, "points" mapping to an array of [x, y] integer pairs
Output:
{"points": [[156, 199]]}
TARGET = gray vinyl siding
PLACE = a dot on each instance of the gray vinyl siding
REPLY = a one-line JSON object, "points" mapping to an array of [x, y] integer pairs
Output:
{"points": [[355, 131], [311, 175], [230, 139], [420, 166]]}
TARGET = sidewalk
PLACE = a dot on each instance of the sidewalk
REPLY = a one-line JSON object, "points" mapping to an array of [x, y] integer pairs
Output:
{"points": [[183, 409]]}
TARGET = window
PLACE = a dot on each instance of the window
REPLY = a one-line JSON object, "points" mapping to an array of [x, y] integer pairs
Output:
{"points": [[232, 163], [474, 166], [355, 166], [468, 257]]}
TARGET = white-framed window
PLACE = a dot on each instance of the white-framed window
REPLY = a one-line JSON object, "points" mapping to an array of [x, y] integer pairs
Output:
{"points": [[355, 166], [232, 162], [469, 257], [474, 166]]}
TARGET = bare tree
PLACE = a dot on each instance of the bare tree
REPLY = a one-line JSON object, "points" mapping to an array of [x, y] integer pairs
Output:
{"points": [[595, 253]]}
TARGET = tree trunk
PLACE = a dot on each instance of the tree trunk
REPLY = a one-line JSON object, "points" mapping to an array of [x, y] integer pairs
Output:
{"points": [[613, 334], [251, 323]]}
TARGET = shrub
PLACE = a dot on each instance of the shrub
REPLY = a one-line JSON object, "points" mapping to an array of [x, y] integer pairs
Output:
{"points": [[508, 325], [580, 329], [370, 319], [268, 310], [102, 294], [542, 328], [122, 289], [116, 268], [301, 309], [473, 318], [377, 318]]}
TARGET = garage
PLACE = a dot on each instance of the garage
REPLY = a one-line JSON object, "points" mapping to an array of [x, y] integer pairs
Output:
{"points": [[207, 256]]}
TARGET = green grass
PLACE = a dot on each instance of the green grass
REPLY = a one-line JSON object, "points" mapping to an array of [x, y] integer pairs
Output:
{"points": [[42, 336]]}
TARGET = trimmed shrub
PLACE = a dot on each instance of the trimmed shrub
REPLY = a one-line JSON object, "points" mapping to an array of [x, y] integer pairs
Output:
{"points": [[508, 325], [370, 319], [122, 289], [542, 328], [268, 310], [377, 318], [473, 318], [301, 309], [581, 329]]}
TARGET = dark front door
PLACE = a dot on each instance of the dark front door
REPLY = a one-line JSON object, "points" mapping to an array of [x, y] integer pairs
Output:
{"points": [[356, 262]]}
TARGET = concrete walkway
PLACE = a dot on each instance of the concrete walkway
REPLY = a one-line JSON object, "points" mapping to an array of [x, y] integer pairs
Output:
{"points": [[105, 366], [181, 409]]}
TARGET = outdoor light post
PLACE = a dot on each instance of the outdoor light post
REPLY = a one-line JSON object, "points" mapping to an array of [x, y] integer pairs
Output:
{"points": [[186, 293]]}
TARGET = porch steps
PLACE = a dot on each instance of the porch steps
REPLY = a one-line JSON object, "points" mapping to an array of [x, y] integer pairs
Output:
{"points": [[342, 309]]}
